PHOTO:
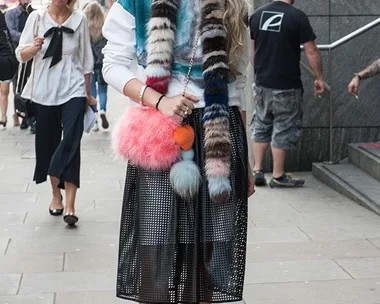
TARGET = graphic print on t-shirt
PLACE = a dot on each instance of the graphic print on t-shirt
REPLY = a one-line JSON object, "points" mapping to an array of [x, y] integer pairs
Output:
{"points": [[271, 21]]}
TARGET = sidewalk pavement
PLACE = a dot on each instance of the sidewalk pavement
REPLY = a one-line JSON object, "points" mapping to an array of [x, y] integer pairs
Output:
{"points": [[308, 245]]}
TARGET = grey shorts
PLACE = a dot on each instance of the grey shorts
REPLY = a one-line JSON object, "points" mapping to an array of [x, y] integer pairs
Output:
{"points": [[277, 118]]}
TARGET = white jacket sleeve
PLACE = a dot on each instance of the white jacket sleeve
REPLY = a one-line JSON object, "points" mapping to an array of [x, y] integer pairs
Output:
{"points": [[241, 80], [27, 36], [120, 50], [85, 51]]}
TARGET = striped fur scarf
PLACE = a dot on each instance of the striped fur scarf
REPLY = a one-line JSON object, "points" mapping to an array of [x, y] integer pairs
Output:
{"points": [[161, 39]]}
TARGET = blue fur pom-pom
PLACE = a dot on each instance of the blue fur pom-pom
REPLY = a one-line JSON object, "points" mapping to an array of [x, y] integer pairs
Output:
{"points": [[185, 178], [187, 155], [219, 189]]}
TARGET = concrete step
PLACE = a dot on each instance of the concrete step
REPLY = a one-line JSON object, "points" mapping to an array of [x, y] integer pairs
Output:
{"points": [[366, 157], [352, 182]]}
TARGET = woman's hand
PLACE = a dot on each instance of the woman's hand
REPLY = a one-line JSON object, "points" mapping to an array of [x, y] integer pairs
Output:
{"points": [[91, 101], [178, 107], [37, 44], [251, 183]]}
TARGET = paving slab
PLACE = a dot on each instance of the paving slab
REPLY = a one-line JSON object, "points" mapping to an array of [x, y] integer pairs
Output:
{"points": [[294, 271], [268, 252], [275, 235], [87, 260], [376, 242], [9, 284], [344, 216], [13, 200], [53, 244], [3, 244], [342, 231], [361, 268], [60, 229], [93, 297], [29, 299], [12, 218], [67, 282], [323, 292], [31, 263]]}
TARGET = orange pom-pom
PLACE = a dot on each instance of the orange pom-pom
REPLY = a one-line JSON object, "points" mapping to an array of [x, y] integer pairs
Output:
{"points": [[184, 137]]}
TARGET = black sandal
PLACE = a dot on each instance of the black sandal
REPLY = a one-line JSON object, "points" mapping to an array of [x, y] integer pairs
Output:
{"points": [[56, 212], [70, 219]]}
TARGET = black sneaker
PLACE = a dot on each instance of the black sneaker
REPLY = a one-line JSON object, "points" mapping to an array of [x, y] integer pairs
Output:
{"points": [[103, 117], [24, 124], [286, 181], [260, 178], [33, 127]]}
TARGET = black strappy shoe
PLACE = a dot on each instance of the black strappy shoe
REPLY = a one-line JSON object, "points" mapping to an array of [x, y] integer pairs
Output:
{"points": [[56, 212], [70, 219]]}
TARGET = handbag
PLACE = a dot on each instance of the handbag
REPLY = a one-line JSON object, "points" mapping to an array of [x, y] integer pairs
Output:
{"points": [[25, 108]]}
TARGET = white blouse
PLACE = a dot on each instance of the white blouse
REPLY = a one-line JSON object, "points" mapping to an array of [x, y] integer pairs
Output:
{"points": [[65, 80], [119, 61]]}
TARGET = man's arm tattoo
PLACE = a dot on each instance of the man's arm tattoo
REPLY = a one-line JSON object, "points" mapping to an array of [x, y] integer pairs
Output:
{"points": [[372, 70]]}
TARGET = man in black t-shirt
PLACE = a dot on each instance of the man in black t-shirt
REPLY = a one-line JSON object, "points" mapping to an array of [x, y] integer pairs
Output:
{"points": [[277, 31]]}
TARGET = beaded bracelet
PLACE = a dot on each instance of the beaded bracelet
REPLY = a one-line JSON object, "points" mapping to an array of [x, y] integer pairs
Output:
{"points": [[159, 100]]}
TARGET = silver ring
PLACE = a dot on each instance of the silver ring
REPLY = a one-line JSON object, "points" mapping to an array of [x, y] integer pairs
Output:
{"points": [[186, 112]]}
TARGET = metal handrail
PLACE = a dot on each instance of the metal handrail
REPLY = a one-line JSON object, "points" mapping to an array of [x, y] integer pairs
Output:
{"points": [[349, 37], [329, 48]]}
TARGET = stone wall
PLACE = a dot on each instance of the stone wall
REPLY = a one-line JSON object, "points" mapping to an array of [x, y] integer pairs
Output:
{"points": [[354, 120]]}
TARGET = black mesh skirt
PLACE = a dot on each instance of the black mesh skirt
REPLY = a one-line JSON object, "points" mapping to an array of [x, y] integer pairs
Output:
{"points": [[175, 251]]}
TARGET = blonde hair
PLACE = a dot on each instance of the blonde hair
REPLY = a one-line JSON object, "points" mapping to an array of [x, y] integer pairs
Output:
{"points": [[235, 19], [95, 20]]}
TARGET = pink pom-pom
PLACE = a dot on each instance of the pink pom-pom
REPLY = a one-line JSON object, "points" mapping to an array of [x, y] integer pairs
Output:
{"points": [[144, 136]]}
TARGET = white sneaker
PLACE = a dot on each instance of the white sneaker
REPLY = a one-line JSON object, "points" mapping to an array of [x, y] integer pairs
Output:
{"points": [[95, 128], [103, 117]]}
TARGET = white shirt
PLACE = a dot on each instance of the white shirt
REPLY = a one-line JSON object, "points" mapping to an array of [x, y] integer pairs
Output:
{"points": [[65, 80], [119, 61]]}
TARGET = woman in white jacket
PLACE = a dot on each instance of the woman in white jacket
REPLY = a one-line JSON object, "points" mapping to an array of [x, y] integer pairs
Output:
{"points": [[57, 40]]}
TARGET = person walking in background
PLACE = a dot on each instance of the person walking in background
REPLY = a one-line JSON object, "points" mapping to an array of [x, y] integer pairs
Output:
{"points": [[8, 65], [58, 40], [370, 71], [16, 20], [174, 249], [277, 31], [95, 19]]}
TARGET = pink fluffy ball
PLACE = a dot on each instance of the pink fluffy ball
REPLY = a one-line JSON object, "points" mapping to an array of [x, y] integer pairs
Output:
{"points": [[144, 136]]}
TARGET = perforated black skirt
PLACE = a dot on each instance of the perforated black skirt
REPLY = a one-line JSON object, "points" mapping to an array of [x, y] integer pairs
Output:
{"points": [[172, 251]]}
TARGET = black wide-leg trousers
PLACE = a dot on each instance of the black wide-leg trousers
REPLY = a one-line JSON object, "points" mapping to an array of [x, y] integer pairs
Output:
{"points": [[59, 131]]}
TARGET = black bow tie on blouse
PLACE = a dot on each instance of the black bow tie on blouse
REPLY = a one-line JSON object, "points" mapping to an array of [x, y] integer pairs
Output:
{"points": [[55, 47]]}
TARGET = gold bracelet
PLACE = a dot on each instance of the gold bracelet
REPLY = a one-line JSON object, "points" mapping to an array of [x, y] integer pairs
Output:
{"points": [[141, 95]]}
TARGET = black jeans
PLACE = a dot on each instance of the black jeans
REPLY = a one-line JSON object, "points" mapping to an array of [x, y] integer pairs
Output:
{"points": [[58, 154]]}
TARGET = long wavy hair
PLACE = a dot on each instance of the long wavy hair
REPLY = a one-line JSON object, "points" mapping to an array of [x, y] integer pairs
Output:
{"points": [[95, 20], [235, 19]]}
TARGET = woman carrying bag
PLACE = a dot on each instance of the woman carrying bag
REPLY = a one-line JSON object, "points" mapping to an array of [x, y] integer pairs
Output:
{"points": [[8, 65], [95, 17], [57, 39], [184, 216]]}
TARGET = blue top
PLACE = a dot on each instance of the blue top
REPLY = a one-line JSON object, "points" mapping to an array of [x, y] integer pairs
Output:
{"points": [[186, 30]]}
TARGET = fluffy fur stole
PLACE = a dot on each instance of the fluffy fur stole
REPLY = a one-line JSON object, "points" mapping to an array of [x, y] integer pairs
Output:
{"points": [[161, 38]]}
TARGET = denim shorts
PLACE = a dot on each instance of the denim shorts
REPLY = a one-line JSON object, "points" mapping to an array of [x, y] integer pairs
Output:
{"points": [[277, 118]]}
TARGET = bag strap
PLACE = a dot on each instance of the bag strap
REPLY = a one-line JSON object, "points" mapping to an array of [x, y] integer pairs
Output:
{"points": [[34, 60]]}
